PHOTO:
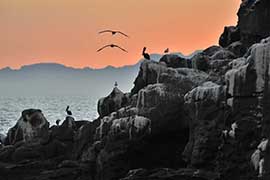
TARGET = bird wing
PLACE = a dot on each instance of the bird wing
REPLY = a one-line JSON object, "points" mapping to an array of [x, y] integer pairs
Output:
{"points": [[105, 31], [122, 33], [103, 47], [120, 48]]}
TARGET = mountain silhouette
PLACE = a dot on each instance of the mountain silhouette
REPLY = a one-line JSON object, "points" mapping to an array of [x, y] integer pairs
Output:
{"points": [[58, 79]]}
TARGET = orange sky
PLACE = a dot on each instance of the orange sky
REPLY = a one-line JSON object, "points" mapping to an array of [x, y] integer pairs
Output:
{"points": [[65, 31]]}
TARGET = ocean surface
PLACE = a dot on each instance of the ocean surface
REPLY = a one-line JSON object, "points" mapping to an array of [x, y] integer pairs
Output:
{"points": [[53, 108]]}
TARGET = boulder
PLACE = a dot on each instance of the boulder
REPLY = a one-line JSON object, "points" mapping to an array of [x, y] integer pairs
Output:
{"points": [[113, 102], [174, 61], [200, 61], [210, 51], [65, 132], [149, 73], [222, 54], [31, 127]]}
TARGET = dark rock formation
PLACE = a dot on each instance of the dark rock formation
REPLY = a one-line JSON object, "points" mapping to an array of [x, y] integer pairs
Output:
{"points": [[149, 74], [231, 34], [206, 106], [32, 126], [205, 118], [254, 21], [237, 48], [113, 102], [174, 61], [200, 61], [253, 24]]}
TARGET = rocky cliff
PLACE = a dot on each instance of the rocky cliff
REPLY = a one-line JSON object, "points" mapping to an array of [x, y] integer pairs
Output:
{"points": [[203, 118]]}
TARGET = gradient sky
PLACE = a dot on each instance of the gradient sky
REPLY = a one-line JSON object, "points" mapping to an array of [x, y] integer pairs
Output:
{"points": [[65, 31]]}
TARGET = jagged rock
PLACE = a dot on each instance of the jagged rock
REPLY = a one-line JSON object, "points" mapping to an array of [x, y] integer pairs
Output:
{"points": [[200, 61], [218, 127], [65, 132], [247, 87], [113, 102], [152, 72], [149, 73], [174, 61], [231, 34], [32, 126], [163, 106], [84, 138], [253, 26], [222, 54], [206, 110], [210, 51], [151, 134], [238, 48], [253, 21], [249, 76]]}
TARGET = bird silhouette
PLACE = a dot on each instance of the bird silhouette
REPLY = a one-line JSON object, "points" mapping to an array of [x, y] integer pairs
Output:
{"points": [[145, 55], [113, 32], [68, 111], [166, 50], [112, 46], [115, 84]]}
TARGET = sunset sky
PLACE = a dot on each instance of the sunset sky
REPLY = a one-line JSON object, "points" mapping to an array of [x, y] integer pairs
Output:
{"points": [[65, 31]]}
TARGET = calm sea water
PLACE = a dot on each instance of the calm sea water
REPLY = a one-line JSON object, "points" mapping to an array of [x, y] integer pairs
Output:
{"points": [[82, 107]]}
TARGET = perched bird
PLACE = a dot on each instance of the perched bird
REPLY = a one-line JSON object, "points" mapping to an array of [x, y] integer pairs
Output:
{"points": [[115, 84], [145, 55], [57, 122], [113, 32], [166, 51], [68, 111], [112, 46]]}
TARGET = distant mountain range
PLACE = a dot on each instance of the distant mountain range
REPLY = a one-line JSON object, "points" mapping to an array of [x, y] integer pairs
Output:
{"points": [[57, 79]]}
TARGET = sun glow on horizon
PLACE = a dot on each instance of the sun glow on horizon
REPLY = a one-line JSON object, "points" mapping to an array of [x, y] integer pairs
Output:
{"points": [[66, 31]]}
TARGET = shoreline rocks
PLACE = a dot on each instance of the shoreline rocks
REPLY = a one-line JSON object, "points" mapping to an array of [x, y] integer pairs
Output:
{"points": [[202, 118]]}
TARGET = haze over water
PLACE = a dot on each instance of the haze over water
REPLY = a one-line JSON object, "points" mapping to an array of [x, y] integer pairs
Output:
{"points": [[53, 107]]}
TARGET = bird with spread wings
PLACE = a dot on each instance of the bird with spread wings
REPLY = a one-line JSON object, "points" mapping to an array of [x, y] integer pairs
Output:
{"points": [[113, 32], [111, 46]]}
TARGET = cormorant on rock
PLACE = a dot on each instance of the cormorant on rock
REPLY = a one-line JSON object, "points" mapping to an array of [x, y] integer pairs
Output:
{"points": [[145, 55], [113, 32], [111, 46], [57, 122], [68, 111], [166, 50]]}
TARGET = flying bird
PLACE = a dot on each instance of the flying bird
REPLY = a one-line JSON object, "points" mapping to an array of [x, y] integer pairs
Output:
{"points": [[166, 50], [111, 46], [68, 111], [145, 55], [113, 32]]}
